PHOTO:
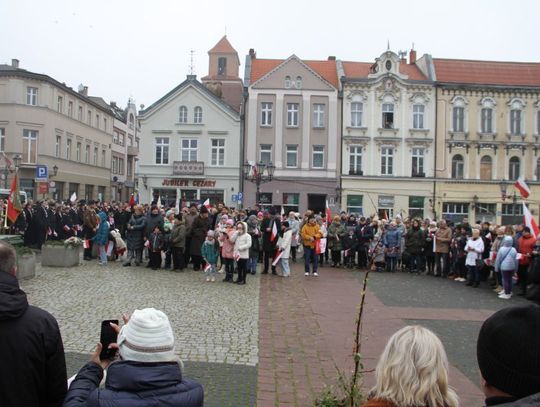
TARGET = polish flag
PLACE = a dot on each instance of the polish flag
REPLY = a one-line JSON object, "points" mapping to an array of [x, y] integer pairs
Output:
{"points": [[274, 232], [327, 214], [529, 221], [207, 203], [132, 200], [73, 197], [523, 188]]}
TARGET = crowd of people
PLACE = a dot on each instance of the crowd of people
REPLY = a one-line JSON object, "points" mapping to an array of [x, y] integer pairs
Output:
{"points": [[219, 239]]}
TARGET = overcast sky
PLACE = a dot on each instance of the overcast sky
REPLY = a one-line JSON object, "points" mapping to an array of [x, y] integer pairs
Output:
{"points": [[141, 49]]}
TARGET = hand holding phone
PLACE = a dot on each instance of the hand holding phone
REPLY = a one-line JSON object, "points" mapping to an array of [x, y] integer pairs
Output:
{"points": [[108, 336]]}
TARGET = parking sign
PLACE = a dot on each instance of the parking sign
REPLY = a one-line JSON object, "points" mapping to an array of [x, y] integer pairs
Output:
{"points": [[234, 198], [240, 196], [42, 172]]}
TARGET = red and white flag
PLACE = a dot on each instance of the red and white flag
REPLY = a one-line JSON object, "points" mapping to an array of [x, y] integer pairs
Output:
{"points": [[529, 221], [523, 188], [277, 257], [14, 206], [86, 244], [207, 203], [273, 235]]}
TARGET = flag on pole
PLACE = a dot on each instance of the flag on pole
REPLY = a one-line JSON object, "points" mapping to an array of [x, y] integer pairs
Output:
{"points": [[14, 207], [159, 202], [9, 163], [529, 221], [277, 257], [73, 197], [132, 200], [328, 214], [523, 188], [207, 203], [273, 235]]}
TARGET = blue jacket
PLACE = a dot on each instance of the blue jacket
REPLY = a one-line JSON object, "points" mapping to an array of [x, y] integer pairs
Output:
{"points": [[102, 235], [506, 256], [134, 384]]}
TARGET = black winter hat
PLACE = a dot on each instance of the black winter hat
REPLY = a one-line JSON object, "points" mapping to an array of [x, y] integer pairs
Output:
{"points": [[508, 350]]}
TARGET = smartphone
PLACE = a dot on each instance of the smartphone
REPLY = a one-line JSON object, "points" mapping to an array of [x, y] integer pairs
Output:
{"points": [[108, 336]]}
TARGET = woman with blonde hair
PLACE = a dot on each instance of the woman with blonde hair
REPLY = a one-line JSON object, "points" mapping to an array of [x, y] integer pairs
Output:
{"points": [[412, 372]]}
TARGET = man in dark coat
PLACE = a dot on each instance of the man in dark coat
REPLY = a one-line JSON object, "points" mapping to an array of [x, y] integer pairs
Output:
{"points": [[90, 226], [33, 368], [363, 233], [268, 245], [199, 227]]}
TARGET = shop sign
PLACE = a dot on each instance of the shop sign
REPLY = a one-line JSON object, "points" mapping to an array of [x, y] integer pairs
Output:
{"points": [[386, 201], [188, 167], [197, 183]]}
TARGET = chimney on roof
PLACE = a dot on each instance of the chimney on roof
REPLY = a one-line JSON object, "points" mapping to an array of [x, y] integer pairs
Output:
{"points": [[412, 57], [191, 77], [252, 53], [15, 63], [83, 90], [113, 104], [332, 58]]}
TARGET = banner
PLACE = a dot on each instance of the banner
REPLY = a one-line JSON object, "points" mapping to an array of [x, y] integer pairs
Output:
{"points": [[320, 245]]}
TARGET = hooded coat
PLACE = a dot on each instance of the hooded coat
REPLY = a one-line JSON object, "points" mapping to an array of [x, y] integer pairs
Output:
{"points": [[506, 259], [33, 368], [102, 234]]}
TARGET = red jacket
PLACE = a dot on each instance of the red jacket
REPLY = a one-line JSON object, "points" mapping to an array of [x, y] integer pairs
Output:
{"points": [[525, 247]]}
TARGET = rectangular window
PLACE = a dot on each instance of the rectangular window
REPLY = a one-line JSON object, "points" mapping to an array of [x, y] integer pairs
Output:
{"points": [[189, 150], [79, 115], [70, 109], [89, 117], [87, 154], [266, 114], [356, 114], [458, 122], [265, 153], [354, 205], [121, 166], [58, 146], [292, 156], [292, 114], [487, 120], [78, 152], [114, 165], [29, 146], [387, 161], [105, 124], [60, 104], [97, 121], [197, 115], [115, 137], [455, 211], [103, 158], [218, 152], [88, 192], [290, 202], [129, 167], [388, 116], [515, 122], [416, 207], [69, 143], [2, 139], [318, 115], [418, 162], [317, 157], [355, 160], [162, 150], [418, 116], [95, 156], [121, 139], [31, 96]]}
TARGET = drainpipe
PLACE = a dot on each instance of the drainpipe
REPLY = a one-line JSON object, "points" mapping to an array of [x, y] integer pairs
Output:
{"points": [[435, 158], [242, 142]]}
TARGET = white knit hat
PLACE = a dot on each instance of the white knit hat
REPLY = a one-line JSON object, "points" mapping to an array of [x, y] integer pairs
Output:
{"points": [[147, 337]]}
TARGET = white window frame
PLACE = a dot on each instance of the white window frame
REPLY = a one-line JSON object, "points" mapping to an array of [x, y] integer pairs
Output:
{"points": [[32, 137], [317, 151], [189, 149], [265, 150], [419, 114], [288, 82], [197, 115], [486, 120], [78, 152], [319, 119], [291, 151], [89, 117], [87, 154], [516, 122], [293, 110], [60, 104], [103, 158], [80, 114], [217, 152], [387, 160], [459, 167], [298, 82], [58, 146], [31, 96], [355, 160], [96, 153], [70, 108], [266, 114], [513, 175], [182, 114], [387, 109], [417, 160], [357, 111], [161, 147]]}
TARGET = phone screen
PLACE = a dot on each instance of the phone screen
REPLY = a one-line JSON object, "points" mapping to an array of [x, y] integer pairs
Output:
{"points": [[108, 336]]}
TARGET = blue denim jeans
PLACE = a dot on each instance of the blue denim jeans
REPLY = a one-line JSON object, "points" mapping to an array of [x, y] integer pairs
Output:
{"points": [[285, 266], [102, 254], [310, 256], [252, 264]]}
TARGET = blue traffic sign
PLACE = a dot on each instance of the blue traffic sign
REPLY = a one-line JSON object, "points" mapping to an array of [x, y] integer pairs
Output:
{"points": [[234, 198], [42, 172], [240, 196]]}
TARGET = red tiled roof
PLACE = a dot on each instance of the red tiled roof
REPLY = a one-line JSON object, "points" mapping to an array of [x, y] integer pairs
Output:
{"points": [[223, 47], [487, 72], [361, 70], [326, 69]]}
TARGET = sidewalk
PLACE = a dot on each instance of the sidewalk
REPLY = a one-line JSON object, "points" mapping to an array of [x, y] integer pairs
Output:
{"points": [[306, 329]]}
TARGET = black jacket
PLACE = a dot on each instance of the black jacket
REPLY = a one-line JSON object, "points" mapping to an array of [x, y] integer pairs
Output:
{"points": [[530, 401], [32, 367]]}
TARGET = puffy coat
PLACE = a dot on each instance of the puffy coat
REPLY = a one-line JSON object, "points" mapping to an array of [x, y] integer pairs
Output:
{"points": [[135, 235], [525, 247], [33, 367], [506, 256], [227, 245], [102, 234], [285, 243], [134, 384], [336, 234], [392, 242], [415, 239], [310, 231], [210, 252], [153, 221], [242, 243], [178, 235]]}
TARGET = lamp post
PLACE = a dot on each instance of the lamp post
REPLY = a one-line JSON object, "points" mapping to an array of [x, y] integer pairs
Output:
{"points": [[258, 174]]}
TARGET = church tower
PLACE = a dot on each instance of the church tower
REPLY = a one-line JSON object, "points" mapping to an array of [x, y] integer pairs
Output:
{"points": [[223, 70]]}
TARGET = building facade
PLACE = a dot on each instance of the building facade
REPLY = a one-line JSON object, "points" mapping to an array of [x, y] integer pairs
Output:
{"points": [[292, 119], [47, 123], [488, 127], [388, 137]]}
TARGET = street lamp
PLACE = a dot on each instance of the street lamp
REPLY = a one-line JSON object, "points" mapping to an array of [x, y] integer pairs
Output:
{"points": [[503, 185], [258, 174]]}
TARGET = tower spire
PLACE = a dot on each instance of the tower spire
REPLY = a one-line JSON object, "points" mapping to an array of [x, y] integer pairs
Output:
{"points": [[192, 62]]}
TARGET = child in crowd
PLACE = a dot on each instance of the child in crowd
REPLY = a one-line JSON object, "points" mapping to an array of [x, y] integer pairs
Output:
{"points": [[254, 250], [227, 250], [155, 245], [285, 247], [210, 254]]}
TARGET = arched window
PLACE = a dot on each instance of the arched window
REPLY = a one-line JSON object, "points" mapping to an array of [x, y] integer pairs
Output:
{"points": [[486, 168], [513, 169], [458, 166], [517, 127], [298, 82], [197, 115], [458, 115], [288, 82], [487, 115], [182, 117]]}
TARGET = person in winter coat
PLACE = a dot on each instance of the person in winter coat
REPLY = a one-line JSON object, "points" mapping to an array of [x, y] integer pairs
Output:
{"points": [[254, 250], [33, 367], [269, 244], [285, 247], [506, 263], [525, 248], [178, 243], [415, 239], [227, 249], [210, 255], [155, 245], [392, 246], [135, 229], [443, 237], [474, 249], [102, 238], [199, 227], [412, 371], [294, 224], [429, 254], [336, 234], [148, 372], [310, 233], [153, 220], [363, 234], [242, 243]]}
